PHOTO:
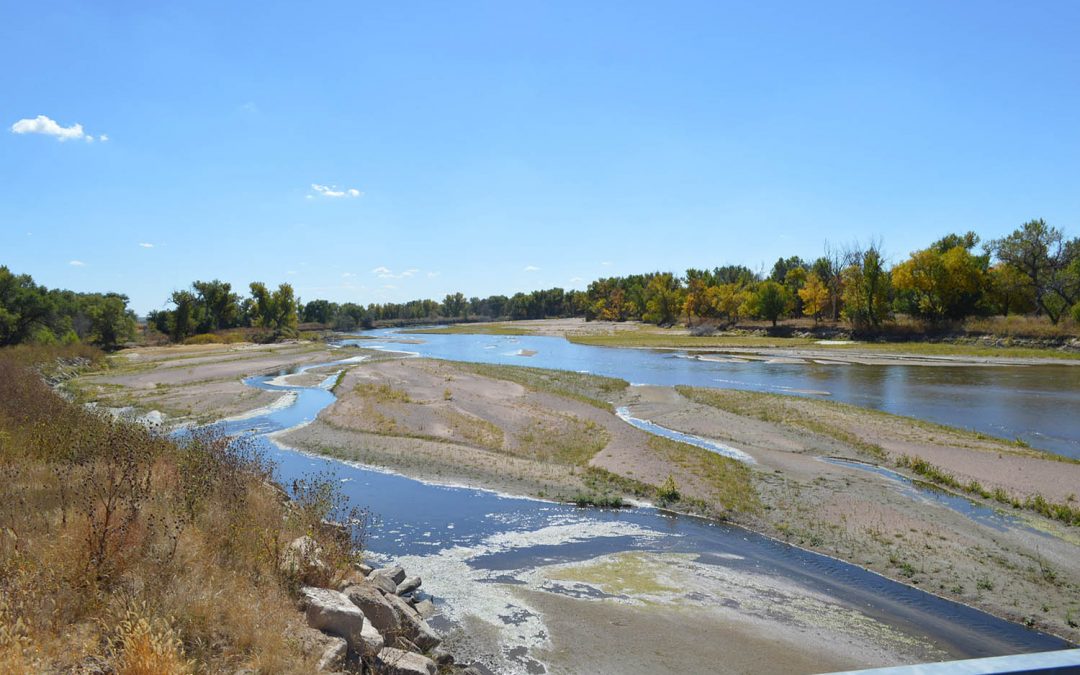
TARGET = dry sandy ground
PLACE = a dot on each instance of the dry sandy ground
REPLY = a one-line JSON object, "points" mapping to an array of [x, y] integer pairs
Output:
{"points": [[864, 518], [198, 382], [435, 420]]}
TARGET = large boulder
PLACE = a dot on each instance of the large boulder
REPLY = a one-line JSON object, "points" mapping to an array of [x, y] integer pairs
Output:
{"points": [[413, 627], [302, 559], [425, 608], [329, 650], [332, 612], [379, 612], [383, 582], [409, 585], [400, 662], [372, 639], [396, 573]]}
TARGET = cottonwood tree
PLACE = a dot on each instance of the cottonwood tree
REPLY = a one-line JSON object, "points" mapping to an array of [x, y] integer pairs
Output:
{"points": [[866, 288], [1049, 261]]}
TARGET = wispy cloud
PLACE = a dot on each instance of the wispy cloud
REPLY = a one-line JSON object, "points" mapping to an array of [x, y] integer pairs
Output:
{"points": [[531, 268], [77, 263], [432, 275], [333, 192], [387, 273], [606, 263], [575, 280], [146, 244], [46, 126]]}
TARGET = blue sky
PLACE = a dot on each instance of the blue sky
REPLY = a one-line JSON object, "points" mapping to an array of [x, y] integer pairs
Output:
{"points": [[504, 146]]}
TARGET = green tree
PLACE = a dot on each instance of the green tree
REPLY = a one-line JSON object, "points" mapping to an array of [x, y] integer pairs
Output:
{"points": [[866, 289], [663, 299], [1049, 261], [111, 321], [454, 306], [184, 318], [24, 307], [284, 309], [770, 300], [220, 306]]}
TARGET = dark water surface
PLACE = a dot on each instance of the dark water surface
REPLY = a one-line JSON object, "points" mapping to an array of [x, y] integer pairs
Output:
{"points": [[1038, 404], [417, 518]]}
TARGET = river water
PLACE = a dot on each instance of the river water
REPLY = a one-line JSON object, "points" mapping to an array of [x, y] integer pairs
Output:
{"points": [[1038, 404], [470, 545]]}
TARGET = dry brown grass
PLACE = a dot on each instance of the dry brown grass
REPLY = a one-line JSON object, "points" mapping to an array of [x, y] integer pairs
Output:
{"points": [[121, 548]]}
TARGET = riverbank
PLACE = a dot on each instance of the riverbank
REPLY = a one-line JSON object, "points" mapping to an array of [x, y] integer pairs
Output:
{"points": [[759, 344]]}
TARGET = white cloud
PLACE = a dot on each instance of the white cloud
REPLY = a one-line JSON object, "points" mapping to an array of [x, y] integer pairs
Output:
{"points": [[77, 263], [606, 263], [390, 287], [145, 244], [333, 191], [387, 273], [531, 268], [347, 275], [432, 275], [104, 138], [575, 280], [49, 127]]}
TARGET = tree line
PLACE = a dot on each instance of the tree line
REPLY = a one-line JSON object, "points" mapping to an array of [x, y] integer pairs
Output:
{"points": [[33, 313], [1035, 269], [210, 306]]}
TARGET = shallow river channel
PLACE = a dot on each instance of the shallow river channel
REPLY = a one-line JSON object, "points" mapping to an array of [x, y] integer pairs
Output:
{"points": [[496, 564]]}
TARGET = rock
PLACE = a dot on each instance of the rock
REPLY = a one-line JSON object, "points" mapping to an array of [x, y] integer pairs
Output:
{"points": [[382, 582], [372, 639], [398, 662], [442, 657], [333, 657], [363, 569], [408, 586], [471, 670], [396, 573], [350, 578], [425, 608], [329, 649], [334, 613], [303, 559], [375, 607], [413, 627]]}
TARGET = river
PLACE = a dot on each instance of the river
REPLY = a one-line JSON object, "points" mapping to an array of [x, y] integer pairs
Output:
{"points": [[475, 548], [1037, 404]]}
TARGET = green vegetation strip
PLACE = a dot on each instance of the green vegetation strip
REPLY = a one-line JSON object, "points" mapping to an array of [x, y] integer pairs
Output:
{"points": [[1064, 512]]}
